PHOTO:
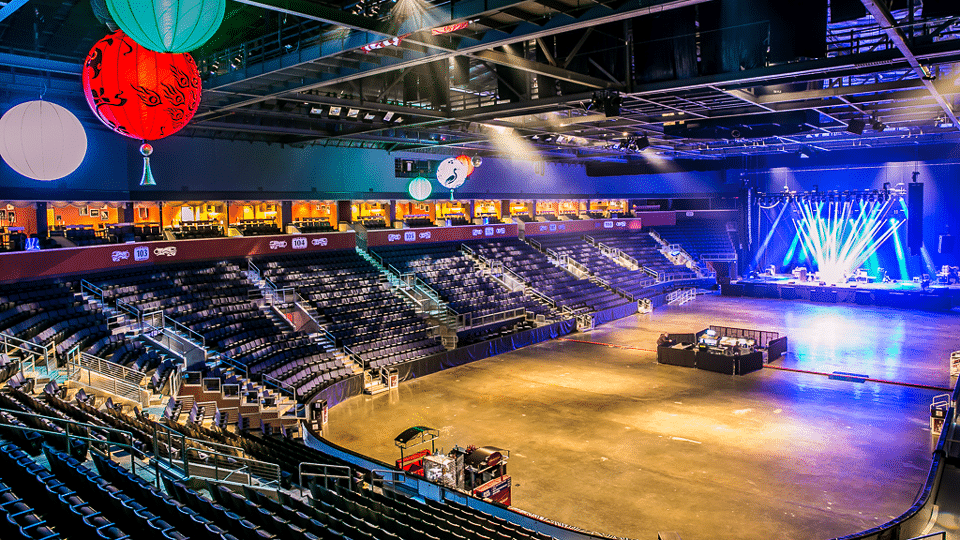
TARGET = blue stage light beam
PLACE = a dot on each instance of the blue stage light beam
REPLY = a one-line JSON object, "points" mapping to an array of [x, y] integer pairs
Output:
{"points": [[838, 243]]}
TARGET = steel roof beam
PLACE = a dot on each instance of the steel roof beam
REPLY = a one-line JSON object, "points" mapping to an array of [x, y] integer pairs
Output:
{"points": [[491, 39], [888, 25]]}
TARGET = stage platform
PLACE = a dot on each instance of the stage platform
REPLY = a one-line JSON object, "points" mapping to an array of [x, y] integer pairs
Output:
{"points": [[906, 295]]}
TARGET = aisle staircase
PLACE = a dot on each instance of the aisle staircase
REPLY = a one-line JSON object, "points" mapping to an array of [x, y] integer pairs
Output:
{"points": [[416, 293]]}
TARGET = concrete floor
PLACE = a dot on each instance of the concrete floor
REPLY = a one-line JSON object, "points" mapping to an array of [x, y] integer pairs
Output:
{"points": [[606, 439]]}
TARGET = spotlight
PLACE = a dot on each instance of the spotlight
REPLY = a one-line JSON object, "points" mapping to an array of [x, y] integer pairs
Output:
{"points": [[334, 112], [643, 142], [316, 111], [388, 116], [369, 117], [353, 113], [877, 125]]}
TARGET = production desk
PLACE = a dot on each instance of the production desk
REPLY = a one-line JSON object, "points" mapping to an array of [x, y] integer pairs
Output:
{"points": [[711, 359]]}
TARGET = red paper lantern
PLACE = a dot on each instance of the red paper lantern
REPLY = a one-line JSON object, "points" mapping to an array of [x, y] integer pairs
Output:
{"points": [[465, 160], [137, 92]]}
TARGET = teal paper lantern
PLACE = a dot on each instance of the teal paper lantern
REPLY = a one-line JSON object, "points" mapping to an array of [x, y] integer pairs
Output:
{"points": [[419, 188], [174, 26]]}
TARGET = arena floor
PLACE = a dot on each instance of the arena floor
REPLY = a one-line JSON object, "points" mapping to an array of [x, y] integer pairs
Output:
{"points": [[606, 439]]}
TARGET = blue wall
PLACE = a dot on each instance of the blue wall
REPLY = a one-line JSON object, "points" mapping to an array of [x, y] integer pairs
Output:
{"points": [[224, 169]]}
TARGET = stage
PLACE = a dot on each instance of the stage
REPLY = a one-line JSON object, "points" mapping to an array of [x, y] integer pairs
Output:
{"points": [[898, 294]]}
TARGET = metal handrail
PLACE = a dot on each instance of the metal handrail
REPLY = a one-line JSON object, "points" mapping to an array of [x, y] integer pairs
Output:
{"points": [[355, 357], [188, 331], [27, 347], [90, 287], [254, 268], [280, 385], [324, 474], [66, 433], [467, 320]]}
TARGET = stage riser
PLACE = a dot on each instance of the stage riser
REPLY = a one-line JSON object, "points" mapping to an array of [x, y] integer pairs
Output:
{"points": [[941, 300]]}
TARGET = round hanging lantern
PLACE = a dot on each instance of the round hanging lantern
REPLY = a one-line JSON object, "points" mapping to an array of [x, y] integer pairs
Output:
{"points": [[451, 173], [419, 188], [465, 160], [173, 26], [477, 161], [137, 92], [42, 140]]}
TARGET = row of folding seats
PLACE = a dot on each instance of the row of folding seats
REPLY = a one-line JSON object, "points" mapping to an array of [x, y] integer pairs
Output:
{"points": [[67, 510]]}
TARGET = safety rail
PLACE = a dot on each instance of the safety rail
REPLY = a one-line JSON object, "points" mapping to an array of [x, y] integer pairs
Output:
{"points": [[235, 364], [107, 376], [718, 256], [579, 269], [33, 354], [132, 310], [680, 297], [279, 385], [467, 320], [355, 357], [536, 245], [73, 435], [330, 337], [324, 467], [223, 461], [253, 271], [92, 289], [152, 319]]}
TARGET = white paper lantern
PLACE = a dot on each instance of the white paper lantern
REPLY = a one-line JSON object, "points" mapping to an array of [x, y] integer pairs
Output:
{"points": [[452, 173], [42, 140], [419, 188]]}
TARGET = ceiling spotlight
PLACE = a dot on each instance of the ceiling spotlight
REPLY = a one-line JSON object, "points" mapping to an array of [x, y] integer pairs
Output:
{"points": [[353, 113], [369, 117], [334, 112], [643, 142], [877, 125], [316, 111], [388, 116]]}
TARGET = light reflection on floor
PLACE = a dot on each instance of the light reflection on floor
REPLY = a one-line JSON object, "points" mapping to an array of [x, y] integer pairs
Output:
{"points": [[606, 439]]}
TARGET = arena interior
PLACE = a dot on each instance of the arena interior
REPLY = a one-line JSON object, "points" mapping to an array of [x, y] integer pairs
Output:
{"points": [[479, 269]]}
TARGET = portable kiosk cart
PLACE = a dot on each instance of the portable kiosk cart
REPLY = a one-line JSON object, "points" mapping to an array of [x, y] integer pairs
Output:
{"points": [[413, 437], [486, 474]]}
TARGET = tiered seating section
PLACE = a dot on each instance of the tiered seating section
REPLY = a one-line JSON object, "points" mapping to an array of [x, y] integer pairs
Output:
{"points": [[214, 300], [574, 246], [642, 247], [706, 236], [355, 305], [457, 279], [550, 280], [373, 223]]}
